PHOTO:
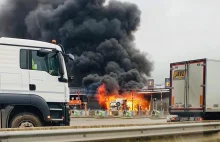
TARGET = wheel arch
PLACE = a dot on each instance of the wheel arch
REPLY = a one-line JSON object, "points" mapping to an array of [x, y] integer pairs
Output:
{"points": [[17, 109], [29, 102]]}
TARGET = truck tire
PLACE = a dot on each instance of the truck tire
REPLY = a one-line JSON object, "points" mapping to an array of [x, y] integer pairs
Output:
{"points": [[25, 120]]}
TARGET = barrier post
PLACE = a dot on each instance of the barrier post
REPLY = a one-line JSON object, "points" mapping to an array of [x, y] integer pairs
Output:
{"points": [[85, 108]]}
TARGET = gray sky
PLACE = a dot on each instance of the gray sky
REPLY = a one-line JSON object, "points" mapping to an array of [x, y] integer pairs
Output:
{"points": [[177, 30]]}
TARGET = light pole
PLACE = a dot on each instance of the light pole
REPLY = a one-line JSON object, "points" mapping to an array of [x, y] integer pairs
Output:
{"points": [[132, 102], [154, 102], [161, 101]]}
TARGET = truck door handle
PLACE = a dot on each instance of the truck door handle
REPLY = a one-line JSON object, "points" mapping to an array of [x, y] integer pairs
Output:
{"points": [[32, 86]]}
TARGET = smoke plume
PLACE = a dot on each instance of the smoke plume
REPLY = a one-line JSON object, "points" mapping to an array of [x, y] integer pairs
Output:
{"points": [[99, 35]]}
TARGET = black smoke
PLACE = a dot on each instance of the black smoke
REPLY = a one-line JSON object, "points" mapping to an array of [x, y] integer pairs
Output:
{"points": [[99, 35]]}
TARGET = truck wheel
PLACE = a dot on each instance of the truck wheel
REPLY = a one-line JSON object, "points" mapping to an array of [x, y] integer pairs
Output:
{"points": [[23, 120]]}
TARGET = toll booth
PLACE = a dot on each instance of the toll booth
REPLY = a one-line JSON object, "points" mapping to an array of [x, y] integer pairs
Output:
{"points": [[158, 97], [78, 98]]}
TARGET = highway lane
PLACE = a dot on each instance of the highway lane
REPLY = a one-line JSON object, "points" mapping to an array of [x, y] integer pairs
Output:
{"points": [[113, 121]]}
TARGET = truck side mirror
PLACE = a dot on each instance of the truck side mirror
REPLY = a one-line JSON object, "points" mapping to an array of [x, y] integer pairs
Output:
{"points": [[68, 57], [42, 52], [71, 57], [70, 78], [61, 66]]}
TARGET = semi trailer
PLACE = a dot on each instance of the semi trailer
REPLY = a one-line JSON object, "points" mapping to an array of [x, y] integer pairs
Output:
{"points": [[33, 84], [194, 90]]}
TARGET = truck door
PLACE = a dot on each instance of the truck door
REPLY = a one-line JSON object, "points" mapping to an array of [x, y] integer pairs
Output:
{"points": [[187, 80], [24, 67], [195, 89], [178, 82], [44, 77]]}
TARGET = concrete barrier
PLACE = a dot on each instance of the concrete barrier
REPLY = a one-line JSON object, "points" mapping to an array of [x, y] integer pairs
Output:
{"points": [[101, 113], [84, 113], [129, 113], [120, 113]]}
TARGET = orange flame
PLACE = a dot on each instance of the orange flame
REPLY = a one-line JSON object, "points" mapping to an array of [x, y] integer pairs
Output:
{"points": [[138, 100]]}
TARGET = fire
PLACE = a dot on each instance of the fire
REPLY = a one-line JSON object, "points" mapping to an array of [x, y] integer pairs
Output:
{"points": [[105, 99]]}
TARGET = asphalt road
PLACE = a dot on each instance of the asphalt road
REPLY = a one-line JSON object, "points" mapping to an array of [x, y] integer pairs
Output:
{"points": [[112, 121]]}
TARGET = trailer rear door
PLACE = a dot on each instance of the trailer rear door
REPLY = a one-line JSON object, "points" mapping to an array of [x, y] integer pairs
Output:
{"points": [[178, 73], [195, 79], [187, 79]]}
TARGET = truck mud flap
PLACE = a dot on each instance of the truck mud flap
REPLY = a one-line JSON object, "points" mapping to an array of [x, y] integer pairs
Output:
{"points": [[0, 118]]}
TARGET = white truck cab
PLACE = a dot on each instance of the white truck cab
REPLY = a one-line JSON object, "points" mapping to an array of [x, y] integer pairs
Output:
{"points": [[33, 83]]}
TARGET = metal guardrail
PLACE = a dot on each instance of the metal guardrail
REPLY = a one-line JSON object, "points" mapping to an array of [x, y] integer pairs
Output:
{"points": [[93, 134]]}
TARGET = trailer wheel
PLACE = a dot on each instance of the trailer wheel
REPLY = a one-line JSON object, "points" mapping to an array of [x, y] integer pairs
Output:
{"points": [[23, 120]]}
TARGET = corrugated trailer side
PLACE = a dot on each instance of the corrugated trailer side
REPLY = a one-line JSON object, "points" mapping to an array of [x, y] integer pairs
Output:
{"points": [[212, 87]]}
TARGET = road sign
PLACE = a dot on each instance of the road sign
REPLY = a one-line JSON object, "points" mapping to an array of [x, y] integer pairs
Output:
{"points": [[167, 82], [150, 83]]}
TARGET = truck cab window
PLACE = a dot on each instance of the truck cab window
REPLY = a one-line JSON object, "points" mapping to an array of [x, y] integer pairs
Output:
{"points": [[48, 63], [24, 59]]}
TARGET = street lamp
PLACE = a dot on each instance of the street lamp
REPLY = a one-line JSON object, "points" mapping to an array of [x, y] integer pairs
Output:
{"points": [[132, 97], [154, 100]]}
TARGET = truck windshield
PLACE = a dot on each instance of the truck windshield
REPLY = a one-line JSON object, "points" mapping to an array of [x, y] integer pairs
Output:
{"points": [[48, 63]]}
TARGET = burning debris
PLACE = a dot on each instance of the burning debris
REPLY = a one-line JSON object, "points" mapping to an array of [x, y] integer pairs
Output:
{"points": [[99, 35], [125, 101]]}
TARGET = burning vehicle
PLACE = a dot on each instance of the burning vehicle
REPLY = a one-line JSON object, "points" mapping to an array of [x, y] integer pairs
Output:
{"points": [[118, 104], [127, 101]]}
